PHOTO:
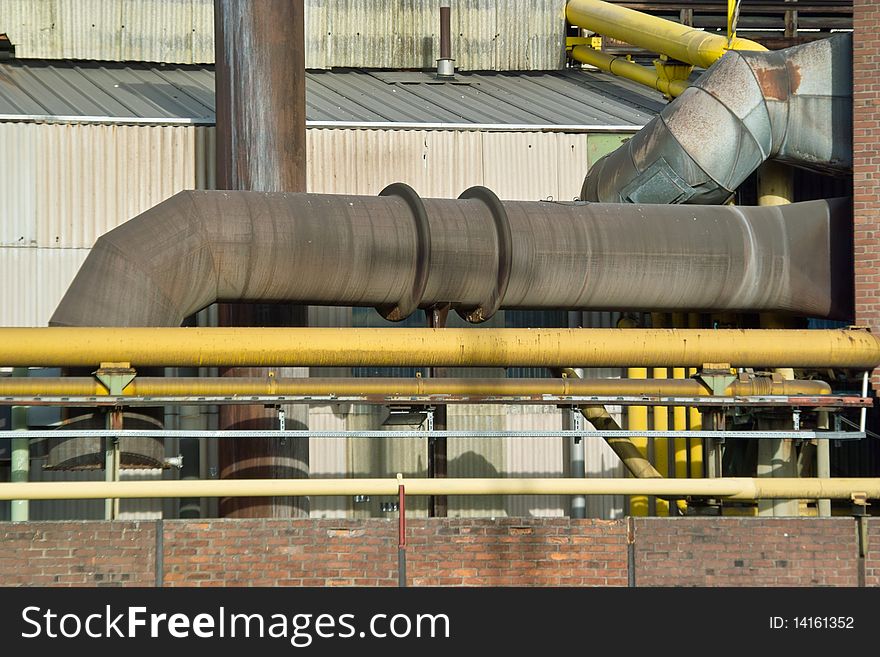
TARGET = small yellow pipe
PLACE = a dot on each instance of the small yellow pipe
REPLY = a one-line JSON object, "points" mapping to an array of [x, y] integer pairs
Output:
{"points": [[695, 445], [224, 386], [695, 418], [391, 347], [661, 445], [637, 420], [735, 488], [679, 423], [624, 68], [658, 35]]}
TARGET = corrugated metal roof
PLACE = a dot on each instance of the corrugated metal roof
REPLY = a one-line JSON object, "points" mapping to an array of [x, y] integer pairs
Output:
{"points": [[486, 34], [142, 93]]}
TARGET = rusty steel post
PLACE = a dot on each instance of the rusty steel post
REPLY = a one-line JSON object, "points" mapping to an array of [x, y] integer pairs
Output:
{"points": [[438, 504], [261, 146], [445, 65], [260, 96]]}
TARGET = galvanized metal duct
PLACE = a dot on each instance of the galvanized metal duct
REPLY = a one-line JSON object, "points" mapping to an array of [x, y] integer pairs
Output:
{"points": [[398, 252], [792, 105]]}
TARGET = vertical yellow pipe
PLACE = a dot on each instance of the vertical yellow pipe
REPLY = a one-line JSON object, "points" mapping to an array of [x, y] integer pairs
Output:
{"points": [[679, 423], [661, 422], [679, 413], [777, 458], [695, 419], [695, 445], [637, 420], [661, 445], [731, 24]]}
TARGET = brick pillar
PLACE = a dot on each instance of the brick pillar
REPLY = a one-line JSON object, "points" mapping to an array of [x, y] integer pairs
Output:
{"points": [[866, 165]]}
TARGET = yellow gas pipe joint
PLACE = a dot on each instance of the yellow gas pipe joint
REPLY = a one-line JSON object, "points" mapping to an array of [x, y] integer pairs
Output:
{"points": [[681, 42]]}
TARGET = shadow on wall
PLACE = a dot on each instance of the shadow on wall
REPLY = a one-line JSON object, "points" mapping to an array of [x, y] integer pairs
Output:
{"points": [[477, 466]]}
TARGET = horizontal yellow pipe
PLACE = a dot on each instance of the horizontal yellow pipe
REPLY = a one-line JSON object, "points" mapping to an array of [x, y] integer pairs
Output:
{"points": [[185, 386], [624, 68], [395, 347], [658, 35], [732, 488]]}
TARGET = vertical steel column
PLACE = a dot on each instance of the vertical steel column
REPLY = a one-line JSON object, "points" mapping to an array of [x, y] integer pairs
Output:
{"points": [[437, 449], [575, 422], [823, 463], [261, 146], [21, 456], [114, 422]]}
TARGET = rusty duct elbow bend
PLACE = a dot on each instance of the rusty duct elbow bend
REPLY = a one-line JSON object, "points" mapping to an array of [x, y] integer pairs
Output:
{"points": [[792, 105], [399, 253]]}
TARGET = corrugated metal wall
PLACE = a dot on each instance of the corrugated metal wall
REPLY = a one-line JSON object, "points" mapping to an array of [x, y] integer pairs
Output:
{"points": [[486, 34], [527, 166], [72, 182]]}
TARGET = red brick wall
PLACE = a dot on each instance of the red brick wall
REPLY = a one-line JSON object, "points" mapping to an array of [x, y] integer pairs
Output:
{"points": [[745, 552], [78, 554], [866, 165], [456, 552], [262, 552], [517, 552]]}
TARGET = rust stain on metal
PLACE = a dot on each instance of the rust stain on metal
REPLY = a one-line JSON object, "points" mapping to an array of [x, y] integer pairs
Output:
{"points": [[774, 82]]}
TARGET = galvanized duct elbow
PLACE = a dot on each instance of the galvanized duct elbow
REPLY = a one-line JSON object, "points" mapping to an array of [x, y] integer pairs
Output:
{"points": [[792, 105], [398, 252]]}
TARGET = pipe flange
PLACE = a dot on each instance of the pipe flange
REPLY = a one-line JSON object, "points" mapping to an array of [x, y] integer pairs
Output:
{"points": [[411, 302], [505, 255]]}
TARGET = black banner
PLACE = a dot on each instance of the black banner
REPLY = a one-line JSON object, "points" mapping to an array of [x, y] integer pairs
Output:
{"points": [[325, 621]]}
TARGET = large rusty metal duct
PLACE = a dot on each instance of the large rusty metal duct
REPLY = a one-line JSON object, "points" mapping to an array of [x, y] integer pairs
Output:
{"points": [[398, 252], [261, 146], [792, 105]]}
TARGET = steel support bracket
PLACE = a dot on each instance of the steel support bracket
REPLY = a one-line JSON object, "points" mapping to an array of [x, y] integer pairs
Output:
{"points": [[592, 41], [860, 502], [716, 377], [672, 71], [115, 376]]}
